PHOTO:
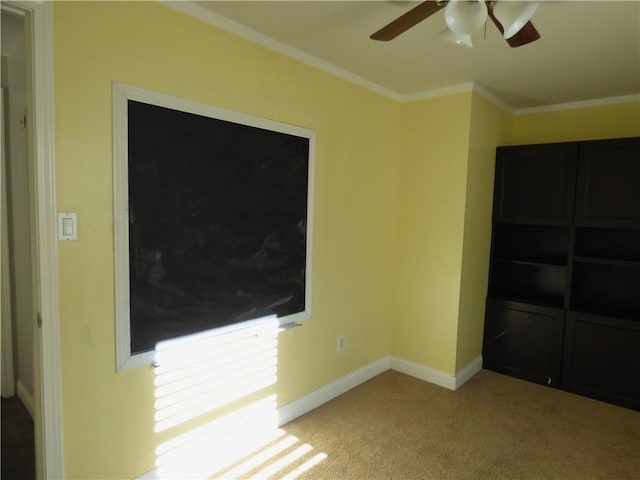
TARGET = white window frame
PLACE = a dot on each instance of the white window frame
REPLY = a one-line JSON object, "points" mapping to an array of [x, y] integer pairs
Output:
{"points": [[121, 94]]}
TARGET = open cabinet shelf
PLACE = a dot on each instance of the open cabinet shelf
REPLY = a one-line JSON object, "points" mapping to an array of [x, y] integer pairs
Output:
{"points": [[606, 288], [534, 283], [541, 244]]}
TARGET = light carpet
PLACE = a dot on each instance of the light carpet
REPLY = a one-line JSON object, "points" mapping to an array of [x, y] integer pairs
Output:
{"points": [[494, 427]]}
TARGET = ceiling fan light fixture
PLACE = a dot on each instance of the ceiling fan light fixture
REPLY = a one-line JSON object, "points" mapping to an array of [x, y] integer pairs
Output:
{"points": [[463, 39], [465, 16], [513, 15]]}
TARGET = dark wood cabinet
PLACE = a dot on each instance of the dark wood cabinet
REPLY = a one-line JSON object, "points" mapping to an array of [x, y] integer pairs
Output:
{"points": [[606, 272], [535, 183], [608, 193], [529, 263], [524, 340], [602, 358], [564, 283]]}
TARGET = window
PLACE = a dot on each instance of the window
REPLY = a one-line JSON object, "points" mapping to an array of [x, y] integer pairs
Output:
{"points": [[213, 214]]}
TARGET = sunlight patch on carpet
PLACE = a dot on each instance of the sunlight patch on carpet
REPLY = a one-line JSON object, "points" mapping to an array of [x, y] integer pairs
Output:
{"points": [[205, 373]]}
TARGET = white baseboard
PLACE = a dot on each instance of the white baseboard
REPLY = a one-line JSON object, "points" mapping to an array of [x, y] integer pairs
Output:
{"points": [[313, 400], [26, 398], [435, 376], [464, 375], [330, 391], [423, 372]]}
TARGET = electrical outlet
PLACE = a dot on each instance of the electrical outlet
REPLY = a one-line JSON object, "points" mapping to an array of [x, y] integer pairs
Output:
{"points": [[340, 343]]}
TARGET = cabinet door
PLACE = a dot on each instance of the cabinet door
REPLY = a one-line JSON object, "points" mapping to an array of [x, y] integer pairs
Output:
{"points": [[535, 183], [602, 358], [523, 340], [608, 189]]}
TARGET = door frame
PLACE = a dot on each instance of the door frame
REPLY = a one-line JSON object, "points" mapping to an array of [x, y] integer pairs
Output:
{"points": [[8, 378], [47, 371]]}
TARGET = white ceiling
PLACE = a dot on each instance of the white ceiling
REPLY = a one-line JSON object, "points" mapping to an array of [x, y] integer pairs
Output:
{"points": [[588, 50]]}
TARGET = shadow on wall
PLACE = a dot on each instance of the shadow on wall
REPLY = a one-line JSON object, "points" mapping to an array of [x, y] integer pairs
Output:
{"points": [[205, 372]]}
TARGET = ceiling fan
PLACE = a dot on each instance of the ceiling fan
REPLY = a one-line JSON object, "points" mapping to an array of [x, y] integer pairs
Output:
{"points": [[465, 17]]}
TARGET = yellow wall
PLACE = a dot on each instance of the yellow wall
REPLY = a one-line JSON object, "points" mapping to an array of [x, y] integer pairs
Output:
{"points": [[435, 138], [108, 418], [444, 228], [402, 212], [490, 127], [594, 123]]}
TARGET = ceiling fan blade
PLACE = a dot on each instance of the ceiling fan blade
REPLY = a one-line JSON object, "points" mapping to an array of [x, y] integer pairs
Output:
{"points": [[526, 35], [408, 20]]}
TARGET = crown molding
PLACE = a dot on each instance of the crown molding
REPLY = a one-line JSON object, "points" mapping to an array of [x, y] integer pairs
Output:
{"points": [[460, 88], [437, 92], [497, 101], [219, 21], [207, 16], [598, 102]]}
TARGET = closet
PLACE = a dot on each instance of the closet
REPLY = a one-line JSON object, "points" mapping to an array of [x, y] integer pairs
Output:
{"points": [[563, 305]]}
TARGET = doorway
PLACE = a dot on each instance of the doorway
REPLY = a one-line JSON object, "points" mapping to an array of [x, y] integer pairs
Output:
{"points": [[18, 293], [38, 127]]}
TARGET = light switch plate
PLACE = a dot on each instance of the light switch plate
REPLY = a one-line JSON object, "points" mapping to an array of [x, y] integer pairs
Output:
{"points": [[67, 226]]}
